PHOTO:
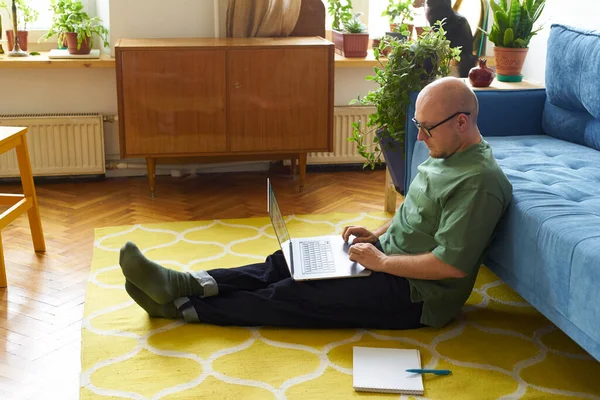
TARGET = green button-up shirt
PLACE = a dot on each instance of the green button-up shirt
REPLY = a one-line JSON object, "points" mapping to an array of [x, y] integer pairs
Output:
{"points": [[451, 210]]}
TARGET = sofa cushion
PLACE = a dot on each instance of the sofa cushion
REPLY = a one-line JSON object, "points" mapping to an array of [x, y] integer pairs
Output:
{"points": [[549, 239], [572, 110]]}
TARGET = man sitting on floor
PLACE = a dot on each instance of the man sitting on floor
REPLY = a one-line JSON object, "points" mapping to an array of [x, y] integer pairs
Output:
{"points": [[424, 261]]}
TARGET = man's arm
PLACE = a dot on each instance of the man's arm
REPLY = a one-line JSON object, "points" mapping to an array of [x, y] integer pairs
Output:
{"points": [[419, 266], [382, 229]]}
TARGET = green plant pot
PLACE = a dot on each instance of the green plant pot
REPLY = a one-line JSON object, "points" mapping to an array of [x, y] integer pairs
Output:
{"points": [[509, 78]]}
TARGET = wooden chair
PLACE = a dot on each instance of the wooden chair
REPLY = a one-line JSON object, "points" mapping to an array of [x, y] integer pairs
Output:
{"points": [[311, 21], [15, 138]]}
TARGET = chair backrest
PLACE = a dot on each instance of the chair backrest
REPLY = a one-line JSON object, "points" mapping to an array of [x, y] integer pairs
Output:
{"points": [[477, 13], [311, 21], [572, 109]]}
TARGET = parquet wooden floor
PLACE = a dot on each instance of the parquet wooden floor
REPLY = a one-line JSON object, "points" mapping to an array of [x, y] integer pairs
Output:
{"points": [[42, 308]]}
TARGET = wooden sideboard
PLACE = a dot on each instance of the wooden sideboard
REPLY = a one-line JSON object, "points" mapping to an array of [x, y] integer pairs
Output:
{"points": [[225, 99]]}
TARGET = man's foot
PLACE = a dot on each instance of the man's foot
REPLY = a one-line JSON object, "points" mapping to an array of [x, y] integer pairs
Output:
{"points": [[153, 309], [161, 284]]}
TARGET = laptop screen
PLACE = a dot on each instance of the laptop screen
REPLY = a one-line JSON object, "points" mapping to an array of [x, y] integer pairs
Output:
{"points": [[276, 218]]}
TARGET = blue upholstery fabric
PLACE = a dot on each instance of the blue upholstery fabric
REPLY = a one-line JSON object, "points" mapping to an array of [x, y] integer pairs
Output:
{"points": [[549, 239], [573, 86]]}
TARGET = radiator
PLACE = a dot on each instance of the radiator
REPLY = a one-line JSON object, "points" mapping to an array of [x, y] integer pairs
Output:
{"points": [[59, 144], [344, 151]]}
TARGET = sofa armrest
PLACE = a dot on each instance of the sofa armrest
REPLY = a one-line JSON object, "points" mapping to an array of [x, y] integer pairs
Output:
{"points": [[501, 113]]}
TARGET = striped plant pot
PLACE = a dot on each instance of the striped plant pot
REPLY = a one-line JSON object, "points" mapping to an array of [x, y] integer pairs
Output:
{"points": [[351, 44]]}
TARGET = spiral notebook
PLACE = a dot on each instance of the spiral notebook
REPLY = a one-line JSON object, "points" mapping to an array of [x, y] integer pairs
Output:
{"points": [[384, 370]]}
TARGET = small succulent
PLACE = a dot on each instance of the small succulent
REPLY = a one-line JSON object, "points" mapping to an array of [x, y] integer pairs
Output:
{"points": [[355, 25]]}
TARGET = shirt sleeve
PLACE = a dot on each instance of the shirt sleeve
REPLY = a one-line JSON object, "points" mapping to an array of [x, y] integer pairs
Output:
{"points": [[467, 223]]}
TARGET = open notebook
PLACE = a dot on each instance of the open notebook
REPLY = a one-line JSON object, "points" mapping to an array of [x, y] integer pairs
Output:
{"points": [[384, 370]]}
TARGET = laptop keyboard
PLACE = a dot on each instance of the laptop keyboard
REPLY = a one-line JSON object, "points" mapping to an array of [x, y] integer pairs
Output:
{"points": [[317, 257]]}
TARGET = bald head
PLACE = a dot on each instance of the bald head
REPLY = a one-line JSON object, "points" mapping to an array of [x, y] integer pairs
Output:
{"points": [[446, 112], [449, 95]]}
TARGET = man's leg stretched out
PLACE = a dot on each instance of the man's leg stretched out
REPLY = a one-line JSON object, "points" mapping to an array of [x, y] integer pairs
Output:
{"points": [[163, 285], [265, 295]]}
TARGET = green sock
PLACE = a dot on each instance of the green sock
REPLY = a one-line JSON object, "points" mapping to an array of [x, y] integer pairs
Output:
{"points": [[161, 284], [153, 309]]}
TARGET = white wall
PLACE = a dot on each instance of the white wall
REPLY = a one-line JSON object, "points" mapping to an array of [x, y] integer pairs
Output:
{"points": [[161, 19], [580, 13]]}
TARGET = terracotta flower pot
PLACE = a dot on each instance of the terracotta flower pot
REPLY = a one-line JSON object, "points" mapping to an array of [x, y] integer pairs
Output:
{"points": [[386, 50], [72, 44], [509, 61], [23, 37], [351, 44]]}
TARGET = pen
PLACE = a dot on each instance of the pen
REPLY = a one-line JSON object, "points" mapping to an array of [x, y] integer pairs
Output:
{"points": [[430, 371]]}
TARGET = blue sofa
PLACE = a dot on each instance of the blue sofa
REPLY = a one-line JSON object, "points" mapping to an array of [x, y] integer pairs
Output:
{"points": [[547, 246]]}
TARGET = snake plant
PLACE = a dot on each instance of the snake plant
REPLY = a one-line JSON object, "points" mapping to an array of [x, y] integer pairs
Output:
{"points": [[513, 22]]}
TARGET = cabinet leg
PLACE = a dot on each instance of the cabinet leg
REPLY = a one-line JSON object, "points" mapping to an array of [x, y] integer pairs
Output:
{"points": [[151, 164], [294, 164], [302, 169], [3, 282]]}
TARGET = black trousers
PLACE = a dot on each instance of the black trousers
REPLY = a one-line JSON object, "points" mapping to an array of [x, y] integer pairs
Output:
{"points": [[264, 294]]}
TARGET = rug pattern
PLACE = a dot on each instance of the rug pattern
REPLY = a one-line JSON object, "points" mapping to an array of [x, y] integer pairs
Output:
{"points": [[500, 348]]}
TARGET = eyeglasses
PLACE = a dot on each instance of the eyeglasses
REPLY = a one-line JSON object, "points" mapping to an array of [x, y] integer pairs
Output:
{"points": [[428, 130]]}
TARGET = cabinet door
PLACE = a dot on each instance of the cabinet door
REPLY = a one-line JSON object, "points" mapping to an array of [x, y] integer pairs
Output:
{"points": [[279, 99], [173, 101]]}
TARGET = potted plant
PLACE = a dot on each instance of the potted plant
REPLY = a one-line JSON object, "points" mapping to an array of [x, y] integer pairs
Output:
{"points": [[399, 13], [348, 32], [25, 15], [383, 49], [511, 33], [353, 40], [74, 28], [410, 66], [341, 13]]}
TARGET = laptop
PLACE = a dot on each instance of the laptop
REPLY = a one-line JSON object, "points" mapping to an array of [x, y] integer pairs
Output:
{"points": [[321, 257]]}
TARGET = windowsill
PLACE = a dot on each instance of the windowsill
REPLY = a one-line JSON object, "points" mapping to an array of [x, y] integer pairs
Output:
{"points": [[42, 61], [106, 61]]}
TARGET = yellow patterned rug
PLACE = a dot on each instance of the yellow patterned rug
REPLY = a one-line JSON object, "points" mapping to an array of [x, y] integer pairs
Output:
{"points": [[500, 348]]}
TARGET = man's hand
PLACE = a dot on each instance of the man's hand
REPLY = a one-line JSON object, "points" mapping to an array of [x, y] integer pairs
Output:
{"points": [[363, 235], [368, 256]]}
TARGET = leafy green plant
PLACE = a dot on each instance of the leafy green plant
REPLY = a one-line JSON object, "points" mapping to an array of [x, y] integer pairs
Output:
{"points": [[87, 28], [25, 13], [70, 17], [399, 9], [341, 13], [411, 65], [355, 25], [513, 22]]}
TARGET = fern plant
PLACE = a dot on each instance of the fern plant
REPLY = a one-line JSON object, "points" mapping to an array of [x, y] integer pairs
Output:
{"points": [[513, 22]]}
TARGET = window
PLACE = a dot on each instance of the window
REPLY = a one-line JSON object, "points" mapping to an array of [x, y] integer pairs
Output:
{"points": [[378, 25], [44, 20]]}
